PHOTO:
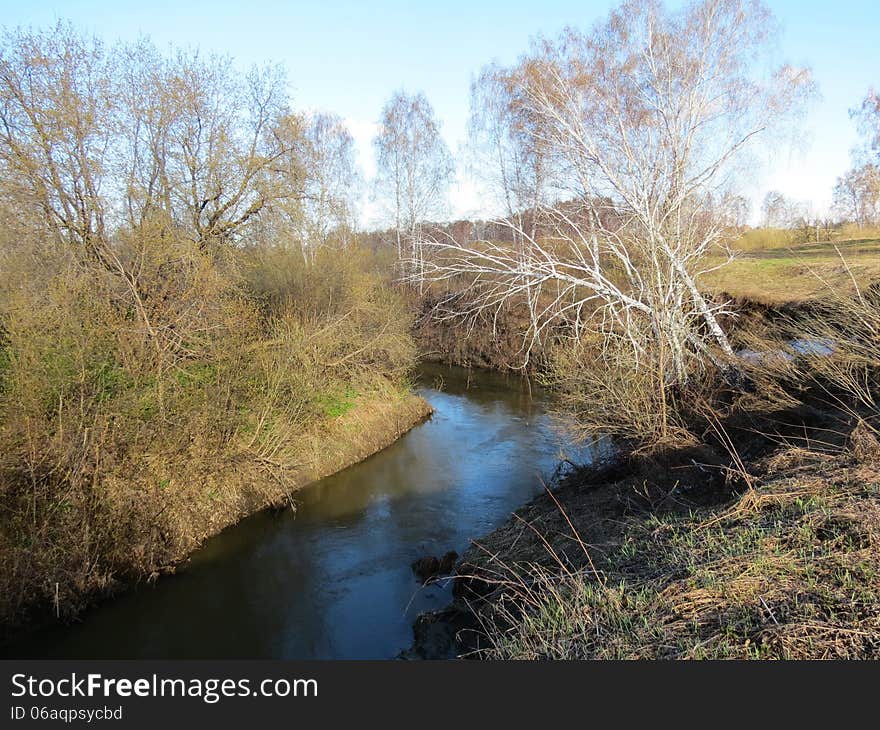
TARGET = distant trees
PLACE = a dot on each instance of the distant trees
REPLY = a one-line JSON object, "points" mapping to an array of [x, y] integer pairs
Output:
{"points": [[799, 218], [857, 195], [415, 167], [778, 211], [867, 116], [857, 192], [514, 169], [332, 181], [734, 210]]}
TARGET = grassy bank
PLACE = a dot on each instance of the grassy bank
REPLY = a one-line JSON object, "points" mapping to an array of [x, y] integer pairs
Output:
{"points": [[138, 417], [157, 523], [667, 559], [786, 274]]}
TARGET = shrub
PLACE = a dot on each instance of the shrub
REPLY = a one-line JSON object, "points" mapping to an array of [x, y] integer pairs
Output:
{"points": [[143, 409]]}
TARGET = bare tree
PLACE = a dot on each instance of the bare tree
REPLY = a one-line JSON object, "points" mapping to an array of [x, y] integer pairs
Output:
{"points": [[56, 134], [735, 210], [502, 146], [867, 116], [643, 118], [99, 139], [332, 180], [415, 167], [857, 195], [59, 141], [778, 211], [203, 142]]}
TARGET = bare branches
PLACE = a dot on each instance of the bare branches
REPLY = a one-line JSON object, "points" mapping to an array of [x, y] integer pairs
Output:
{"points": [[415, 167], [54, 140], [332, 180], [100, 140], [637, 123], [570, 275]]}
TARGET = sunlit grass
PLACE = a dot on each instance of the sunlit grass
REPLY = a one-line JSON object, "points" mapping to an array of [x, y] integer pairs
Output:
{"points": [[797, 273]]}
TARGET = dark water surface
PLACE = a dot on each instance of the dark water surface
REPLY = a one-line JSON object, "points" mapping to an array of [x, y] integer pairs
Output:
{"points": [[333, 579]]}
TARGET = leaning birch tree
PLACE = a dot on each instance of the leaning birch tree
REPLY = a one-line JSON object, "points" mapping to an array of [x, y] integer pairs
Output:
{"points": [[642, 120]]}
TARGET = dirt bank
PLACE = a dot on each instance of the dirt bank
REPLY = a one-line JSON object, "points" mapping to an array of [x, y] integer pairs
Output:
{"points": [[493, 342], [498, 342]]}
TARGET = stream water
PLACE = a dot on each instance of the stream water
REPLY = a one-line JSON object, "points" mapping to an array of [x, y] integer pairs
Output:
{"points": [[333, 578]]}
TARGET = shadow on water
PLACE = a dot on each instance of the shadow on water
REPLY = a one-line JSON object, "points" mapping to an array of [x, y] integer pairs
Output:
{"points": [[333, 579]]}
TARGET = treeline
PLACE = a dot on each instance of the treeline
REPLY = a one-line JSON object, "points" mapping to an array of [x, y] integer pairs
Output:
{"points": [[856, 195], [97, 141], [180, 341]]}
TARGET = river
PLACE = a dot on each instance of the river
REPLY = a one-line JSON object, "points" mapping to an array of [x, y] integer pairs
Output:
{"points": [[333, 579]]}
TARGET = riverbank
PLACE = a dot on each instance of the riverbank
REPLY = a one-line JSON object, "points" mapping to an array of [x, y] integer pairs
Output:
{"points": [[496, 343], [372, 423], [332, 579], [203, 497], [688, 554], [757, 538]]}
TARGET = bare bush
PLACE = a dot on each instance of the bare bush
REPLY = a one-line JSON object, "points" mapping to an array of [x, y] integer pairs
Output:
{"points": [[169, 360]]}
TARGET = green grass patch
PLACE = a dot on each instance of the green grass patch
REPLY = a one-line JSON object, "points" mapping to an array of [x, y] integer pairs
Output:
{"points": [[339, 402], [196, 374]]}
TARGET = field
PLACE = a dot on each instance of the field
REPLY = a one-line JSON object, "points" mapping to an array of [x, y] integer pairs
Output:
{"points": [[783, 274]]}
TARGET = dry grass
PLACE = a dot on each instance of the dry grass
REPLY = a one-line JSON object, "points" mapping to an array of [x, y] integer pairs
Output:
{"points": [[790, 570]]}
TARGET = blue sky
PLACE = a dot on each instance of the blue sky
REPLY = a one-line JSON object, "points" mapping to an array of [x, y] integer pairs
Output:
{"points": [[348, 57]]}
